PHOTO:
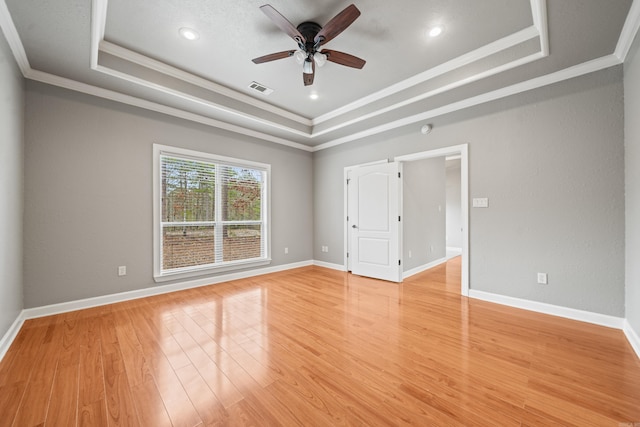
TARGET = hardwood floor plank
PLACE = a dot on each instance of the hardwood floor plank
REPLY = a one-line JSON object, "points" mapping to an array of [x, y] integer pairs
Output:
{"points": [[217, 381], [93, 414], [313, 346], [63, 406], [120, 407], [209, 408], [10, 397], [35, 400], [16, 365], [149, 404]]}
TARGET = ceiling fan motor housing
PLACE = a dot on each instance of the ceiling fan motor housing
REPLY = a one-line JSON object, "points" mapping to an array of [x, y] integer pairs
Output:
{"points": [[309, 30]]}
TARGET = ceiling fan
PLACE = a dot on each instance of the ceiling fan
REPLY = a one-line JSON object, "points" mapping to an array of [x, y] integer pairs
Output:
{"points": [[310, 38]]}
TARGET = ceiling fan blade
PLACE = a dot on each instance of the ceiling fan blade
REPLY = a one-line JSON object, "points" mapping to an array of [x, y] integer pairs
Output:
{"points": [[344, 58], [308, 78], [337, 25], [273, 56], [283, 23]]}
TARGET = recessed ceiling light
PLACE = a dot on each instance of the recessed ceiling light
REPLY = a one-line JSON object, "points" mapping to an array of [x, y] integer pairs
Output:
{"points": [[314, 96], [189, 33], [435, 31]]}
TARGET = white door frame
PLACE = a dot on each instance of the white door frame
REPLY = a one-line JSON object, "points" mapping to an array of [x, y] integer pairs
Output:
{"points": [[461, 150]]}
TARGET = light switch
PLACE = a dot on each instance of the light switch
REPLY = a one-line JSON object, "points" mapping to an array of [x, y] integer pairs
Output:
{"points": [[481, 202]]}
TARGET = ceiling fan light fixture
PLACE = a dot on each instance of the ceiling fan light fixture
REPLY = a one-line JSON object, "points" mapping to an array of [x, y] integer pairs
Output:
{"points": [[307, 66], [320, 58], [189, 33], [300, 56]]}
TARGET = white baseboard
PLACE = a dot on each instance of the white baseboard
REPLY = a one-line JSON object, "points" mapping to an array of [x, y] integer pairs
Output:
{"points": [[422, 268], [570, 313], [48, 310], [554, 310], [12, 333], [338, 267], [453, 251], [632, 337]]}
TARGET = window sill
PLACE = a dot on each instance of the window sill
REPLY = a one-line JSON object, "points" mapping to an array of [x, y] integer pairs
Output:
{"points": [[204, 271]]}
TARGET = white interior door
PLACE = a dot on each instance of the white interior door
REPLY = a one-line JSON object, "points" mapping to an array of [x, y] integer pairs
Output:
{"points": [[374, 221]]}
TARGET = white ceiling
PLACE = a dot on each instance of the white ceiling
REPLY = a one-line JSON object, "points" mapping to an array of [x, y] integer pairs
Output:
{"points": [[130, 51]]}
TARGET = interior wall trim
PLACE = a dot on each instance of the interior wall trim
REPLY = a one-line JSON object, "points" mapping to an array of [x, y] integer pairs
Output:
{"points": [[76, 86], [632, 337], [145, 61], [566, 312], [11, 334], [329, 265], [629, 31], [632, 25], [535, 83], [447, 67], [554, 310], [424, 267], [64, 307]]}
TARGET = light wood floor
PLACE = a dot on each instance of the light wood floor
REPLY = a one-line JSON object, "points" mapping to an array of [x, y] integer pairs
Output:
{"points": [[318, 347]]}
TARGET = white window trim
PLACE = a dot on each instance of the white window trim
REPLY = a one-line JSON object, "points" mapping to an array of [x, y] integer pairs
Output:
{"points": [[158, 274]]}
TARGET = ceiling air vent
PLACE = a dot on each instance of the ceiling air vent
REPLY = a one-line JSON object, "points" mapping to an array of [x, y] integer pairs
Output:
{"points": [[260, 88]]}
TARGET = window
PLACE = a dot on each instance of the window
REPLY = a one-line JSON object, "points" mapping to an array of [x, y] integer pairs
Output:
{"points": [[210, 213]]}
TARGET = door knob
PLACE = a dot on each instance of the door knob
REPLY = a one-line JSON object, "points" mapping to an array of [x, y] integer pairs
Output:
{"points": [[354, 226]]}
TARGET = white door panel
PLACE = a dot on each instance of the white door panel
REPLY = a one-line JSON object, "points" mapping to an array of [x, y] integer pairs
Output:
{"points": [[373, 202], [374, 218]]}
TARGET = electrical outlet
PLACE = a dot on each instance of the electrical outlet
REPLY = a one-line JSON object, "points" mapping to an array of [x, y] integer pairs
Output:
{"points": [[542, 278], [286, 251], [122, 270]]}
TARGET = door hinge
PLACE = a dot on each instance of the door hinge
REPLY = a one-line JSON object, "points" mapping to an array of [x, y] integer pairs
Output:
{"points": [[398, 174], [348, 179], [399, 262], [399, 218], [347, 254], [347, 219]]}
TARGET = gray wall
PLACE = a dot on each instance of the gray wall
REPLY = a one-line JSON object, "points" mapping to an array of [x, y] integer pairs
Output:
{"points": [[88, 192], [632, 182], [454, 204], [551, 161], [424, 208], [11, 187]]}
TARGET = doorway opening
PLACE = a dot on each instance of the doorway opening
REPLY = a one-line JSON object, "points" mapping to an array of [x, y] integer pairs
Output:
{"points": [[457, 243]]}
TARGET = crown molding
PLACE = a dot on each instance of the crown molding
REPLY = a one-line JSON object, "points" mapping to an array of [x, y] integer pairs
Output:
{"points": [[446, 67], [100, 45], [161, 67], [153, 106], [540, 21], [539, 29], [197, 100], [629, 31], [631, 27], [565, 74], [98, 21], [13, 39], [434, 92]]}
